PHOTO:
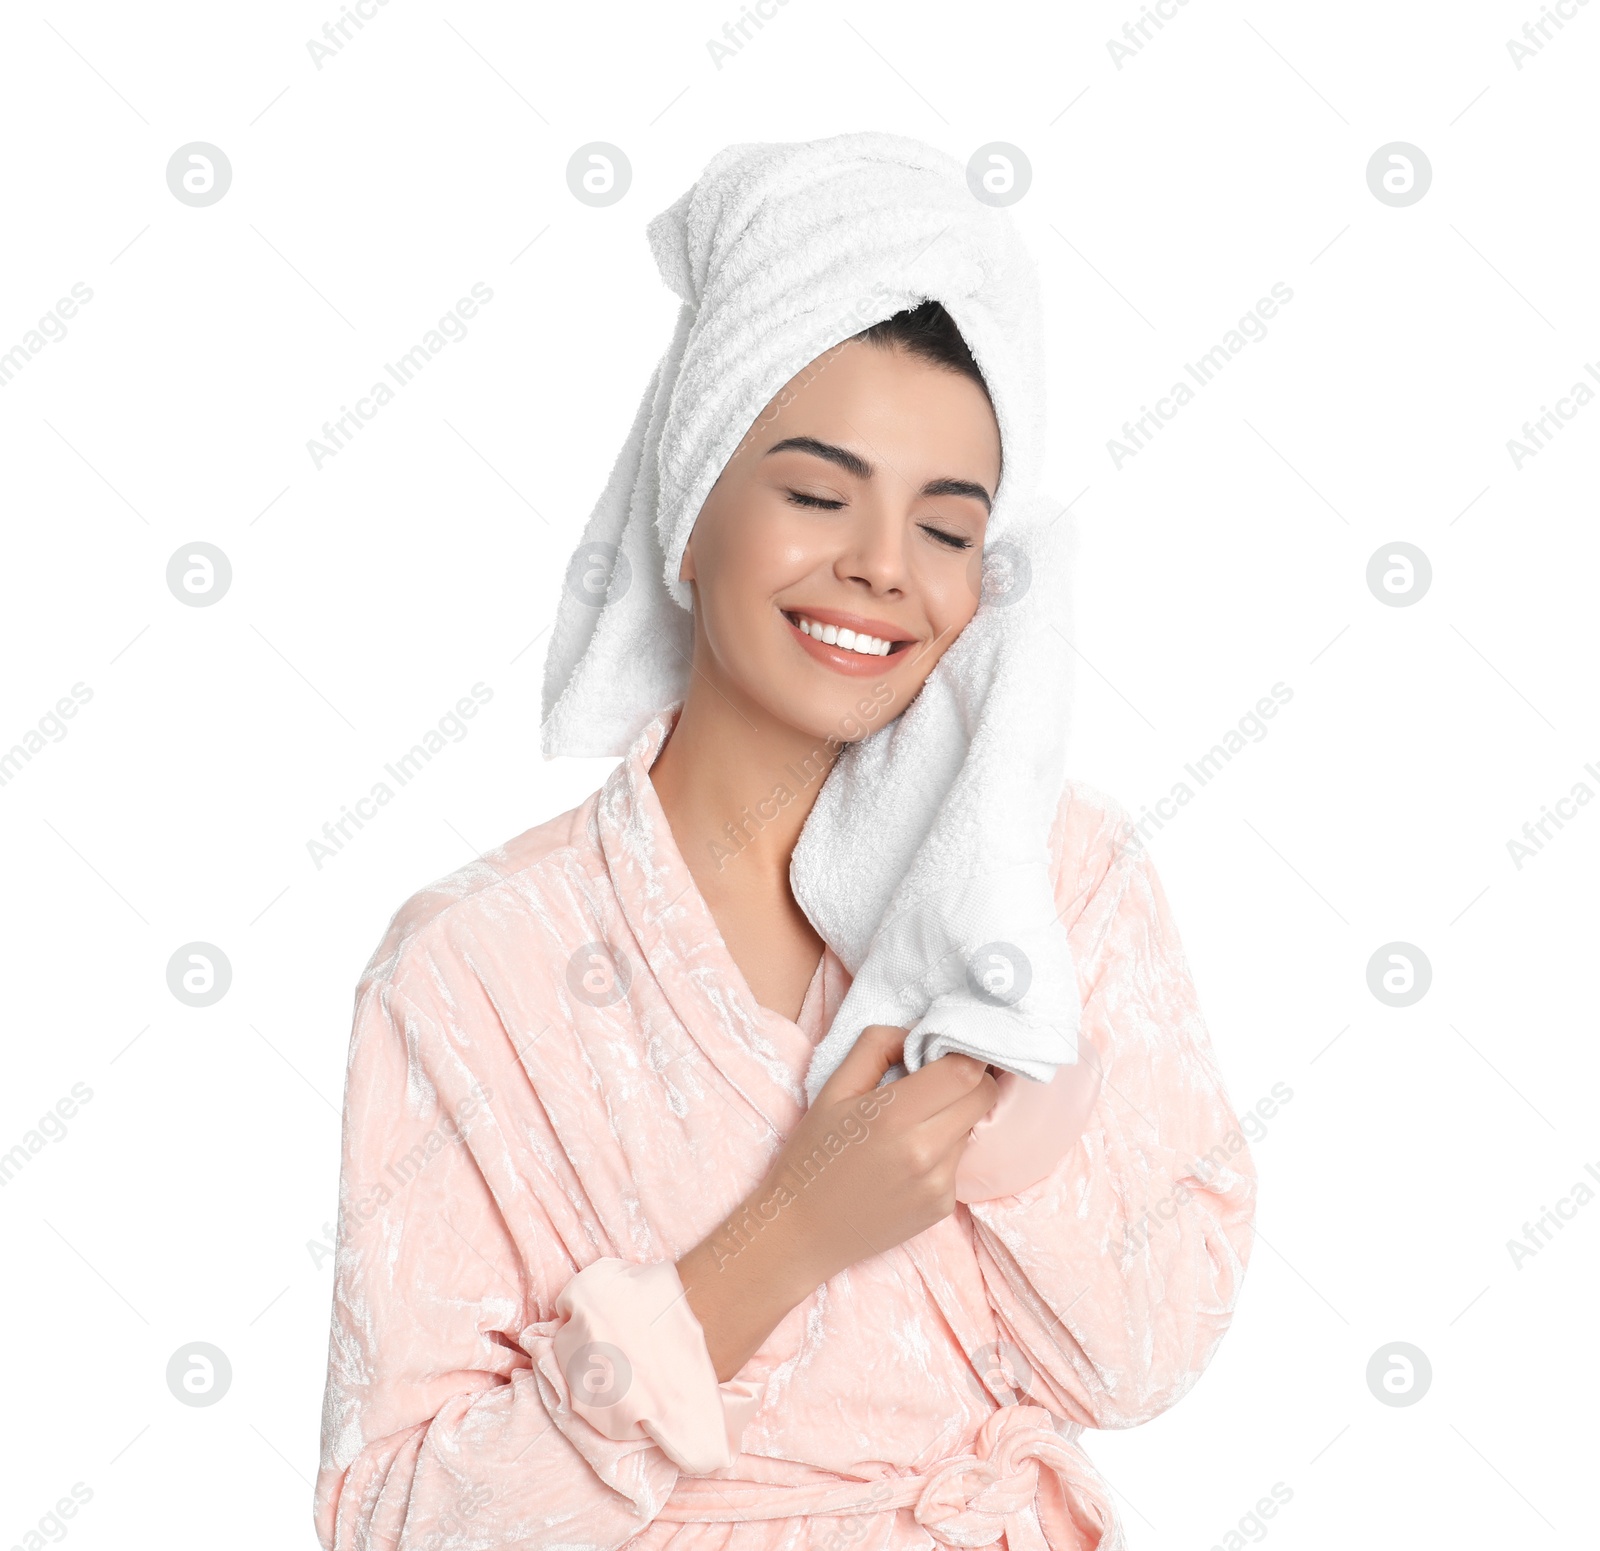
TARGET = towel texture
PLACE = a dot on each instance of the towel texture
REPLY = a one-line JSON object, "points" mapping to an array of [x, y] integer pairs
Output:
{"points": [[924, 861]]}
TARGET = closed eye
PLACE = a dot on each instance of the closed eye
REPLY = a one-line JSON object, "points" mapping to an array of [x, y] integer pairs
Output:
{"points": [[815, 502], [800, 498], [954, 540]]}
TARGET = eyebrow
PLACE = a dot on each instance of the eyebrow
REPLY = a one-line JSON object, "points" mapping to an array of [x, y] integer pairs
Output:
{"points": [[854, 463]]}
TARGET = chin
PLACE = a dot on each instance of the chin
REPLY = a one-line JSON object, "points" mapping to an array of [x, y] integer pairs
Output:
{"points": [[844, 714]]}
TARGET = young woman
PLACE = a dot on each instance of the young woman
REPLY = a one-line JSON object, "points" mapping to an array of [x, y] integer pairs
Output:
{"points": [[605, 1278]]}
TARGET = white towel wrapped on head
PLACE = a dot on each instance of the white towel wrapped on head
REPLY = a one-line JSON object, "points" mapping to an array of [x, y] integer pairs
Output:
{"points": [[924, 862]]}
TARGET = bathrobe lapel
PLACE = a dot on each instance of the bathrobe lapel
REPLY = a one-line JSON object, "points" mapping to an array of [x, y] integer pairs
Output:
{"points": [[759, 1057]]}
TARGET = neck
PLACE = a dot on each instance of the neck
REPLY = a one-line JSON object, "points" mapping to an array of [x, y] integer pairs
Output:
{"points": [[737, 785]]}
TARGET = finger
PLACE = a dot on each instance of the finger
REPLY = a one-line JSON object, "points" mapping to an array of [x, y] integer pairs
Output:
{"points": [[876, 1049], [945, 1079], [967, 1108], [932, 1089]]}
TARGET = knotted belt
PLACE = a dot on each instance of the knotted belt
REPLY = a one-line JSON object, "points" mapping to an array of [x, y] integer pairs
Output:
{"points": [[964, 1500]]}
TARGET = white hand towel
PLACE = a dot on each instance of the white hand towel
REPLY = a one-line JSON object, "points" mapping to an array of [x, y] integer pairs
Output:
{"points": [[924, 862]]}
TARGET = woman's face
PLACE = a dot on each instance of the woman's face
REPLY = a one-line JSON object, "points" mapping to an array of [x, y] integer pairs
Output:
{"points": [[858, 500]]}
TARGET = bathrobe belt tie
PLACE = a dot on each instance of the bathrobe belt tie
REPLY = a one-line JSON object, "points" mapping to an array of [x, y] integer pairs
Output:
{"points": [[963, 1500]]}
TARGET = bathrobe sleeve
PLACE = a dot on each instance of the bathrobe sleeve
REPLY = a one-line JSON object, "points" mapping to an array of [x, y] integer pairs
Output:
{"points": [[483, 1390], [1114, 1278]]}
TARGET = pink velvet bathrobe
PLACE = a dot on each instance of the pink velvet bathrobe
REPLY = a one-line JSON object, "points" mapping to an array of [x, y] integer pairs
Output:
{"points": [[559, 1083]]}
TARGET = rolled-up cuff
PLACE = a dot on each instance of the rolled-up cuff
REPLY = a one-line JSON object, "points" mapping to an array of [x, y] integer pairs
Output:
{"points": [[637, 1366]]}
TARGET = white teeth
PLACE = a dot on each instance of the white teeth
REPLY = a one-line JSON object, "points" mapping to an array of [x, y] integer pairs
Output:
{"points": [[848, 640]]}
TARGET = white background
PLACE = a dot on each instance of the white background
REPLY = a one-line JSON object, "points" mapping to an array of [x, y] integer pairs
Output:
{"points": [[186, 1199]]}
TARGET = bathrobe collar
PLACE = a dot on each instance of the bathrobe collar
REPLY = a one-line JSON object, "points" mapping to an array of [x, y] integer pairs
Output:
{"points": [[759, 1053]]}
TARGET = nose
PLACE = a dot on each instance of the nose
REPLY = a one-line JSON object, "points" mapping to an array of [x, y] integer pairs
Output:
{"points": [[873, 549]]}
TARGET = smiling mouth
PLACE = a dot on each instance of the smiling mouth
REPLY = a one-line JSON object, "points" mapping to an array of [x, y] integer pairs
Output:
{"points": [[844, 640]]}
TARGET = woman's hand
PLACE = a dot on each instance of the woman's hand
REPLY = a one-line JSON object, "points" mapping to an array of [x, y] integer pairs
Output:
{"points": [[866, 1168]]}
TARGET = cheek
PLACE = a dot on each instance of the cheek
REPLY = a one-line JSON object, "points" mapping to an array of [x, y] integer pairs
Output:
{"points": [[762, 559], [753, 562], [951, 587], [773, 550], [791, 542]]}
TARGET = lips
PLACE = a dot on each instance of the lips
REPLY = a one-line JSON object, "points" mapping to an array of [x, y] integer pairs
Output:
{"points": [[858, 646], [828, 625], [845, 640]]}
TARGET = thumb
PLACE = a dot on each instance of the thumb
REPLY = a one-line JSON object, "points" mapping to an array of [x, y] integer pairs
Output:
{"points": [[877, 1048]]}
